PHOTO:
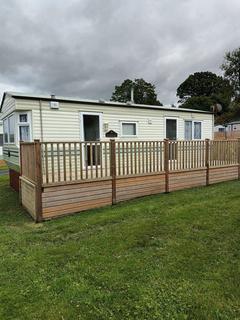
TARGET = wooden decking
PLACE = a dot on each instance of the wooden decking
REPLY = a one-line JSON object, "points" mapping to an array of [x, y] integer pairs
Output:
{"points": [[59, 179]]}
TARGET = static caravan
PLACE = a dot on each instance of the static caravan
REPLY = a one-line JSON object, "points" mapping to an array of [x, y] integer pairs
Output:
{"points": [[53, 118]]}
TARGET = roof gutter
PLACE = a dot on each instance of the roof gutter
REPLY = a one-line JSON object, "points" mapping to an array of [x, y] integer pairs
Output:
{"points": [[106, 104]]}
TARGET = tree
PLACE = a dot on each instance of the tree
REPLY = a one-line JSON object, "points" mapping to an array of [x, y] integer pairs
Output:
{"points": [[144, 92], [202, 89], [199, 103], [231, 68]]}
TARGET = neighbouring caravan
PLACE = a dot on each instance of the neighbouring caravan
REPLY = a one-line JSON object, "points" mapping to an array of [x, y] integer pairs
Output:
{"points": [[53, 118]]}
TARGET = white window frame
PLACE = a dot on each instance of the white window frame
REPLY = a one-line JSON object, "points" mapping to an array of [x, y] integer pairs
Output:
{"points": [[194, 121], [165, 126], [19, 124], [82, 135], [81, 114], [128, 122], [8, 133]]}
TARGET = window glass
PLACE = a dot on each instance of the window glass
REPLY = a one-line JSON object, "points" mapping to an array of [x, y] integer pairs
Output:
{"points": [[197, 130], [23, 117], [1, 140], [188, 130], [11, 125], [171, 129], [5, 130], [24, 133], [129, 129]]}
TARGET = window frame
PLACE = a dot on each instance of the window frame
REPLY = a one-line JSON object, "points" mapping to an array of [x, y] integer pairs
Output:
{"points": [[128, 122], [193, 122], [4, 132], [8, 127], [177, 126], [23, 124], [81, 122]]}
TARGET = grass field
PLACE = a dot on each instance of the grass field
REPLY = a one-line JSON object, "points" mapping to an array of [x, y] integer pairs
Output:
{"points": [[174, 256], [3, 165]]}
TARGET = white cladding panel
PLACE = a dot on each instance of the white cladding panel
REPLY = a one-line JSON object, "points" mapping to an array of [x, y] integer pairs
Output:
{"points": [[8, 106], [64, 124]]}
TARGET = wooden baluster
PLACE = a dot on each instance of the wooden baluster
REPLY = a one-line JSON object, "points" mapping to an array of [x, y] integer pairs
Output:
{"points": [[70, 161], [131, 155], [75, 160], [207, 162], [52, 163], [58, 163], [158, 156], [143, 157], [118, 158], [106, 158], [64, 162], [96, 158], [81, 146], [166, 164], [101, 160], [86, 159], [127, 158], [139, 157], [91, 159]]}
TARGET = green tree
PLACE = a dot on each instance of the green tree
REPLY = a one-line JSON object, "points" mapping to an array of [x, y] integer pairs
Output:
{"points": [[199, 103], [144, 92], [202, 89], [231, 68]]}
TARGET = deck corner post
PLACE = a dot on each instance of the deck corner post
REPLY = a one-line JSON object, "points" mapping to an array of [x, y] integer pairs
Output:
{"points": [[113, 168], [20, 158], [166, 164], [38, 179], [238, 153], [207, 149]]}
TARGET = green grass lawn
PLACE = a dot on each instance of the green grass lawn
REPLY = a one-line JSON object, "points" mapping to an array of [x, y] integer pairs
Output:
{"points": [[174, 256], [3, 167]]}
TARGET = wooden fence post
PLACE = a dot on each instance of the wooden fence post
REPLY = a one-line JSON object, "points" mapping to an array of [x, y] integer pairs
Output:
{"points": [[238, 150], [38, 179], [20, 155], [166, 164], [207, 160], [113, 168]]}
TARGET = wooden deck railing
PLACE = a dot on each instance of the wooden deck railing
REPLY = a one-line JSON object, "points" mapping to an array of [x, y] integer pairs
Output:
{"points": [[72, 161], [78, 161]]}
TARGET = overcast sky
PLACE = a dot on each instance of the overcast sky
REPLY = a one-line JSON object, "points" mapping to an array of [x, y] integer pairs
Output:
{"points": [[85, 47]]}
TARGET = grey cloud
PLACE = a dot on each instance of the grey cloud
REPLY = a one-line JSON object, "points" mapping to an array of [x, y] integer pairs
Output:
{"points": [[84, 48]]}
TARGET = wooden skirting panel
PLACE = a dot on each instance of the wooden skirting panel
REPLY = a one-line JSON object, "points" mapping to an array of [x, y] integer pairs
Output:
{"points": [[187, 179], [28, 196], [59, 200], [133, 187], [223, 174], [62, 200]]}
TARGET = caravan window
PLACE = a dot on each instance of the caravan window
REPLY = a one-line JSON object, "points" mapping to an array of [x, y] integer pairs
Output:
{"points": [[24, 127], [5, 130], [193, 130], [9, 129], [197, 130], [129, 129]]}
